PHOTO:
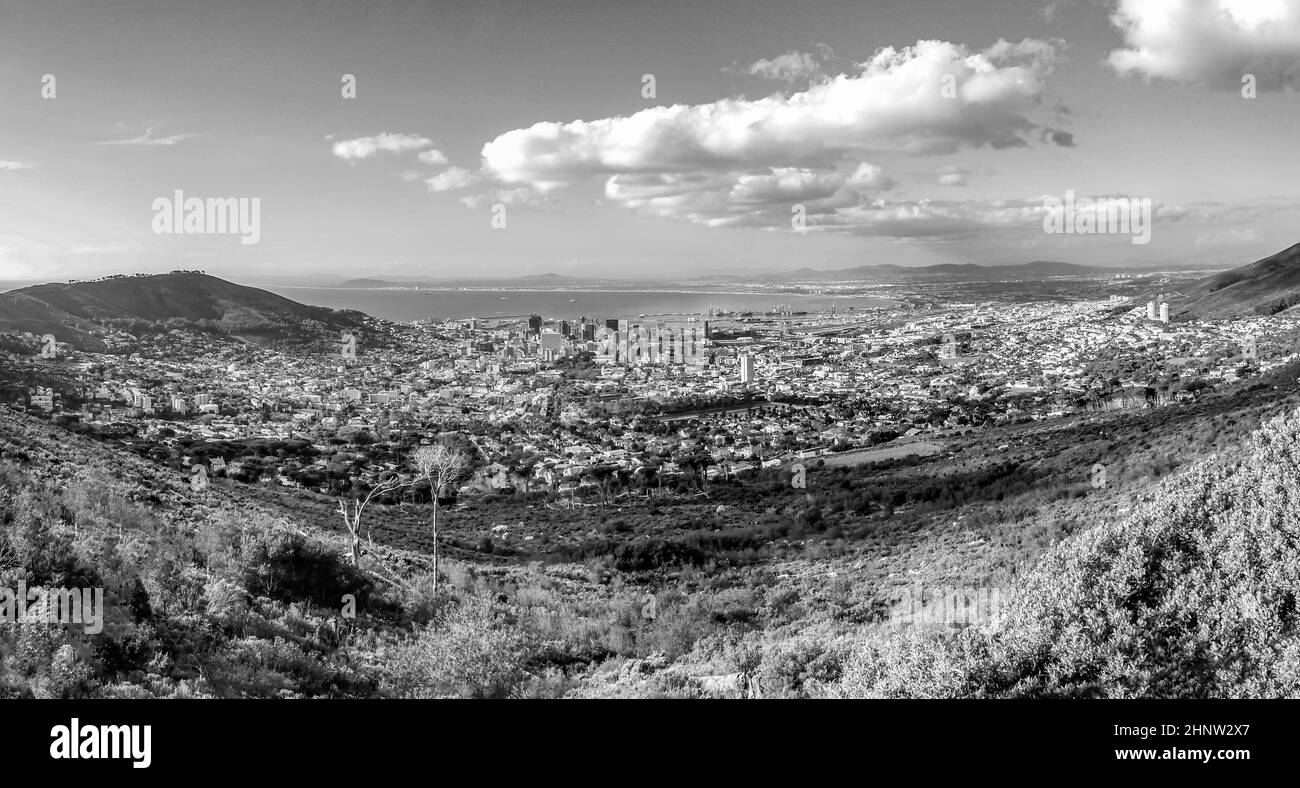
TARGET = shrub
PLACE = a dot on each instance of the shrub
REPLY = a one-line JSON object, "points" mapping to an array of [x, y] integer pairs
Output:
{"points": [[474, 649], [289, 566]]}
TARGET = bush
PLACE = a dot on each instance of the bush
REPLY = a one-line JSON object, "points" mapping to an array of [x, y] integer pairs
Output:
{"points": [[473, 650], [289, 566], [1194, 595]]}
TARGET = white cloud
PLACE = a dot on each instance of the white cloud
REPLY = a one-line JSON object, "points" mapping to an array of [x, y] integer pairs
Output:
{"points": [[759, 198], [1210, 42], [833, 204], [452, 178], [792, 67], [896, 102], [365, 147], [1237, 235], [13, 166], [952, 176], [432, 156], [147, 139], [1052, 11], [521, 195]]}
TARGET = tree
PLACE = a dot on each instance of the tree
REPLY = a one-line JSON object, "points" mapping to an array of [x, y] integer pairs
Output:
{"points": [[440, 466], [352, 521]]}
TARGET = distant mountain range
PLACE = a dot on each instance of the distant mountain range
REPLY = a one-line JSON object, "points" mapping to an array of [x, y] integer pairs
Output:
{"points": [[539, 280], [861, 273], [1264, 287], [967, 271], [66, 310]]}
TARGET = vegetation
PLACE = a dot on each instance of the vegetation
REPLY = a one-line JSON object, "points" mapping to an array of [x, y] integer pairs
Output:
{"points": [[1179, 578]]}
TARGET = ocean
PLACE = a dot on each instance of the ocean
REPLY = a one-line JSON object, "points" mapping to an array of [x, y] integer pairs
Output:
{"points": [[423, 304]]}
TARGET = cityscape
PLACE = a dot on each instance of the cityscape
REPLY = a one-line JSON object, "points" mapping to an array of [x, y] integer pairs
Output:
{"points": [[402, 353], [749, 390]]}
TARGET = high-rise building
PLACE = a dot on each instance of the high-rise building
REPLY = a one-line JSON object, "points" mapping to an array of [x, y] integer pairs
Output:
{"points": [[1151, 310], [552, 341], [1164, 312], [746, 369], [535, 324]]}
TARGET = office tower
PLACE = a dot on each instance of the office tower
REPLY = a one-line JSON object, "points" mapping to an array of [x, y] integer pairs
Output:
{"points": [[1151, 310], [564, 328], [552, 341], [746, 369], [588, 332], [611, 323], [535, 324], [1164, 312]]}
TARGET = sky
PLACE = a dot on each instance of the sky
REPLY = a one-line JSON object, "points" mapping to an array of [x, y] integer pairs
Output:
{"points": [[632, 139]]}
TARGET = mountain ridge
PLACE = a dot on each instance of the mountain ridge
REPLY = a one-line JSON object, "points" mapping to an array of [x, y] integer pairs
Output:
{"points": [[1265, 287], [69, 310]]}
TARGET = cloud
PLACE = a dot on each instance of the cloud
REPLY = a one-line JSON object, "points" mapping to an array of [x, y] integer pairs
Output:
{"points": [[1210, 42], [934, 97], [13, 166], [792, 67], [1052, 11], [859, 203], [952, 176], [147, 139], [434, 157], [452, 178], [758, 198], [1238, 235], [521, 195], [365, 147]]}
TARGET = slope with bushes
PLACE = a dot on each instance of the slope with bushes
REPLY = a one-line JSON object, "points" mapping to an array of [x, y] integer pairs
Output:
{"points": [[1193, 595]]}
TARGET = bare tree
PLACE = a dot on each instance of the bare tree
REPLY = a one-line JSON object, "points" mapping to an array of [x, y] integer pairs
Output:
{"points": [[352, 521], [441, 466]]}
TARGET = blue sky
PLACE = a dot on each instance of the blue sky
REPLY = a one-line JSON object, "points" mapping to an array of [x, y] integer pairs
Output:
{"points": [[838, 107]]}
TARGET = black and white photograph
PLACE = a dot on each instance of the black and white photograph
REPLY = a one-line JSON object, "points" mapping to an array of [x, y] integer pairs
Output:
{"points": [[425, 354]]}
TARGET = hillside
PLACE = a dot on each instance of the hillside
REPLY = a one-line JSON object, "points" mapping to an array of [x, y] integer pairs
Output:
{"points": [[236, 589], [68, 310], [1266, 286], [1192, 595]]}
